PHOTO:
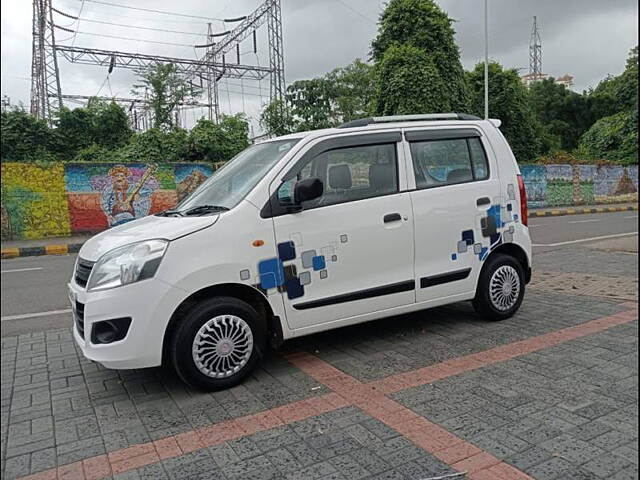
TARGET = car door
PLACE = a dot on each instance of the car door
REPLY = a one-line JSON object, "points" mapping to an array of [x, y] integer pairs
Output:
{"points": [[457, 208], [350, 251]]}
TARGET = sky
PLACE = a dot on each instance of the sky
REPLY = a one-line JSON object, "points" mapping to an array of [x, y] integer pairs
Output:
{"points": [[588, 39]]}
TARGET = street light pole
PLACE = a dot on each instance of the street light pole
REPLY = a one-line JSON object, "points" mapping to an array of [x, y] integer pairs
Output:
{"points": [[486, 59]]}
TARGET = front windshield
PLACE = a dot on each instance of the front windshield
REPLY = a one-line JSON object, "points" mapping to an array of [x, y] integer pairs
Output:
{"points": [[231, 183]]}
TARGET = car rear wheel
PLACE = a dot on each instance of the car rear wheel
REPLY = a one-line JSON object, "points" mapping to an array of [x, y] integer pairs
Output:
{"points": [[500, 288], [218, 343]]}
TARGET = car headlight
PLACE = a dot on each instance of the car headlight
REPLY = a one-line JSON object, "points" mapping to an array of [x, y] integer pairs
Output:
{"points": [[127, 264]]}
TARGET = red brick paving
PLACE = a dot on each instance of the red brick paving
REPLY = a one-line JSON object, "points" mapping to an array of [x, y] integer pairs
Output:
{"points": [[371, 398]]}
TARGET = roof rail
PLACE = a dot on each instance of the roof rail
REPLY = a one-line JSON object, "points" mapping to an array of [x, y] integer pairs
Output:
{"points": [[363, 122]]}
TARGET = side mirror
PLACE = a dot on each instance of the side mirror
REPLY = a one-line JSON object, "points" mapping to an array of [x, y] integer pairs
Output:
{"points": [[307, 189]]}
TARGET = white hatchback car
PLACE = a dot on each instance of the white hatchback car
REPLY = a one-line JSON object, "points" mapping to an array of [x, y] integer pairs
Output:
{"points": [[305, 233]]}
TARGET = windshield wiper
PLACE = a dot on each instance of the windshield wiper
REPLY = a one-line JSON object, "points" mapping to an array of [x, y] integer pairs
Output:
{"points": [[170, 213], [203, 209]]}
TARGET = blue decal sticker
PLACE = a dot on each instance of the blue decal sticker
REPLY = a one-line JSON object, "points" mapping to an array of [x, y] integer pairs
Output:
{"points": [[454, 256], [468, 237], [271, 273], [319, 263], [286, 251], [494, 212], [294, 288], [509, 207]]}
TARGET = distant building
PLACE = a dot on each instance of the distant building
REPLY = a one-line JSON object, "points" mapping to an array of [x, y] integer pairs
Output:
{"points": [[529, 78], [566, 80]]}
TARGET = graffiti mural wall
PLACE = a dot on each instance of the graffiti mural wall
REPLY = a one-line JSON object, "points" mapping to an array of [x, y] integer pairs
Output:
{"points": [[105, 195], [34, 201], [59, 200], [557, 185]]}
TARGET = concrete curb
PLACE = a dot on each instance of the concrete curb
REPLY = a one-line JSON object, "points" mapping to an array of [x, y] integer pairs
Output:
{"points": [[75, 247], [44, 250], [579, 211]]}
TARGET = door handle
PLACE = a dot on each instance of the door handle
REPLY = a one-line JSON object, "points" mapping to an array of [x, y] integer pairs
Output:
{"points": [[392, 217], [483, 201]]}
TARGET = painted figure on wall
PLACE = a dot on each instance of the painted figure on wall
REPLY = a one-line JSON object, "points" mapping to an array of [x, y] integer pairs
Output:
{"points": [[190, 177], [123, 200]]}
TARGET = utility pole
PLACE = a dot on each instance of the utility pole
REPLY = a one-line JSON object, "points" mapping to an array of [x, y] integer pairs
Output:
{"points": [[486, 59], [535, 53]]}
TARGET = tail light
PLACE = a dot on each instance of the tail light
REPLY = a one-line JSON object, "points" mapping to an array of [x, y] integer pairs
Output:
{"points": [[524, 210]]}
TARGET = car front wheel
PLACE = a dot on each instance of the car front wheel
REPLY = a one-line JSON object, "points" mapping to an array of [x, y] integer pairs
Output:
{"points": [[218, 343]]}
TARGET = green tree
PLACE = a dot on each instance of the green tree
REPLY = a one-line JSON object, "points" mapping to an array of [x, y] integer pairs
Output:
{"points": [[352, 90], [110, 124], [74, 130], [218, 142], [310, 104], [156, 145], [276, 119], [423, 25], [24, 137], [619, 93], [508, 101], [401, 83], [102, 124], [613, 138], [164, 89], [565, 115]]}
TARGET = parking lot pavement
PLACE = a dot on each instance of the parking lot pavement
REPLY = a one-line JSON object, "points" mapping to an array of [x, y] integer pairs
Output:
{"points": [[551, 393]]}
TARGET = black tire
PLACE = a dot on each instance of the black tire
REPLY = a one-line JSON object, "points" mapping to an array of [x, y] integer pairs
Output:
{"points": [[483, 303], [183, 339]]}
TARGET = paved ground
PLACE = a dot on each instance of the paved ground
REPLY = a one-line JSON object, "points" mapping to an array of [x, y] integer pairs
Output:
{"points": [[551, 393]]}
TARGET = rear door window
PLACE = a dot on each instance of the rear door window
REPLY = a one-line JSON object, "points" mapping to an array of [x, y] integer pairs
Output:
{"points": [[438, 163]]}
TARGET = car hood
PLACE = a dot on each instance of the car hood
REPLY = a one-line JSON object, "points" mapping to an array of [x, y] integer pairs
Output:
{"points": [[147, 228]]}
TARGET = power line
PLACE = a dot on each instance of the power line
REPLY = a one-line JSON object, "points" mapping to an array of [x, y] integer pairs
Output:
{"points": [[134, 39], [360, 14], [142, 28], [151, 10], [78, 26]]}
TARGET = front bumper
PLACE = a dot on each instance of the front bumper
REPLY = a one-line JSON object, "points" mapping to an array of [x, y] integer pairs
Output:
{"points": [[150, 304]]}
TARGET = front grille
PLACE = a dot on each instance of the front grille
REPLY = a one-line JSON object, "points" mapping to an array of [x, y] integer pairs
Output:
{"points": [[83, 270], [78, 316]]}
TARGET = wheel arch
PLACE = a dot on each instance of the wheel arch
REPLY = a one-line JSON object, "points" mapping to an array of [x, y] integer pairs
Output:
{"points": [[248, 294], [516, 251]]}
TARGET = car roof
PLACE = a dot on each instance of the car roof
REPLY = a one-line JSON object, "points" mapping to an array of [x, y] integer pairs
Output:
{"points": [[372, 127]]}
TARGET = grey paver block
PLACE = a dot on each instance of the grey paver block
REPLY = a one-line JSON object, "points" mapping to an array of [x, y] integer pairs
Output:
{"points": [[552, 469], [590, 430], [613, 439], [349, 467], [18, 466], [605, 466], [572, 449], [283, 460], [43, 460], [313, 472]]}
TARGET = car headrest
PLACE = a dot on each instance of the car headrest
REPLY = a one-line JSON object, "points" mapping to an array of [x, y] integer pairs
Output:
{"points": [[459, 175], [340, 176], [381, 175]]}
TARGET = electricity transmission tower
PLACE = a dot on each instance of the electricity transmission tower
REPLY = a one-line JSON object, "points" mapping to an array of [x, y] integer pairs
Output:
{"points": [[535, 53], [204, 73], [46, 94]]}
